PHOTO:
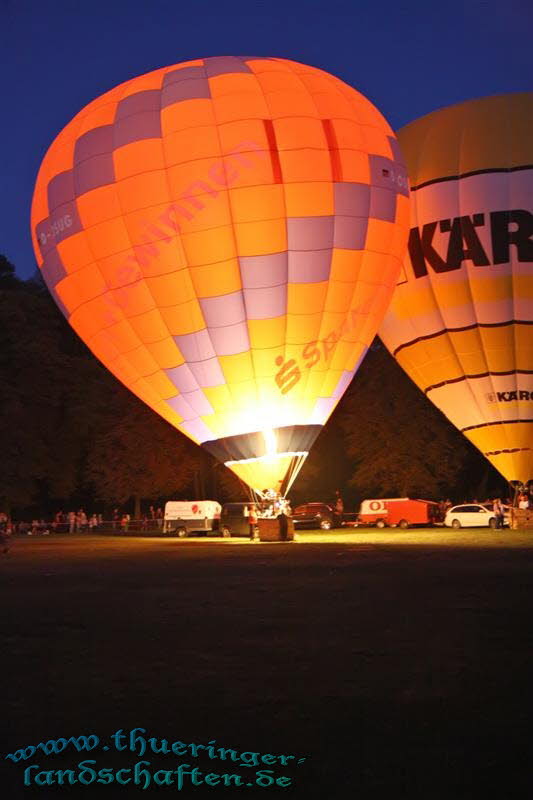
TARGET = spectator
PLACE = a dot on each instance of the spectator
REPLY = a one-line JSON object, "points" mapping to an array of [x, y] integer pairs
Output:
{"points": [[339, 502], [159, 517], [116, 518], [283, 521], [252, 521], [5, 533], [71, 521], [523, 501], [498, 512]]}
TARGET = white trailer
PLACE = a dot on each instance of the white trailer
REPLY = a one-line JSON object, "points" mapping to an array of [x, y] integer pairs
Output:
{"points": [[192, 516]]}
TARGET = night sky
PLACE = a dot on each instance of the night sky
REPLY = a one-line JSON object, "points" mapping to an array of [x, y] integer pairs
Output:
{"points": [[409, 58]]}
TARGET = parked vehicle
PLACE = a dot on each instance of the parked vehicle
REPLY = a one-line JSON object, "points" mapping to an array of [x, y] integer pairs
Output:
{"points": [[401, 512], [316, 515], [235, 518], [185, 517], [473, 515]]}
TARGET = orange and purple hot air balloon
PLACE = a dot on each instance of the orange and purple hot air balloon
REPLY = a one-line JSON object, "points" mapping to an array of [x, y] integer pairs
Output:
{"points": [[225, 235]]}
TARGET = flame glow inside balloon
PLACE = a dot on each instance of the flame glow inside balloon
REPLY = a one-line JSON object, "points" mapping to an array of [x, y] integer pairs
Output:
{"points": [[460, 319], [225, 235]]}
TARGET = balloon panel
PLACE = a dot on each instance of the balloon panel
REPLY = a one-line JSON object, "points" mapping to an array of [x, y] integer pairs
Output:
{"points": [[225, 235], [460, 319]]}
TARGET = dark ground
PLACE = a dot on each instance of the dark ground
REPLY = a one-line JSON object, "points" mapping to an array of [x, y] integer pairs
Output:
{"points": [[398, 664]]}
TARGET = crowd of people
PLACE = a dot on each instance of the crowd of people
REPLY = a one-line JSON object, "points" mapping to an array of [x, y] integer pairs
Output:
{"points": [[81, 522]]}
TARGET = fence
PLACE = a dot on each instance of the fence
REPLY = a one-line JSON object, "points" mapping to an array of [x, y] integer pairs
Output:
{"points": [[148, 527]]}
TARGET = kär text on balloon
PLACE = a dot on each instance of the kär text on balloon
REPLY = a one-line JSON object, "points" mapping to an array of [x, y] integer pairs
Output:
{"points": [[464, 244], [515, 395]]}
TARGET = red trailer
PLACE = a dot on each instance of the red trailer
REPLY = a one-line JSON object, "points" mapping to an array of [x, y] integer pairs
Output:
{"points": [[401, 512]]}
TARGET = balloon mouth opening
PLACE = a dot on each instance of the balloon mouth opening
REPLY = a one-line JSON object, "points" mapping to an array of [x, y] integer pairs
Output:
{"points": [[274, 472], [270, 458]]}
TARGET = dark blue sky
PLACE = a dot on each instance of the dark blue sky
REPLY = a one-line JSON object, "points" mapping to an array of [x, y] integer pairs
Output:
{"points": [[408, 57]]}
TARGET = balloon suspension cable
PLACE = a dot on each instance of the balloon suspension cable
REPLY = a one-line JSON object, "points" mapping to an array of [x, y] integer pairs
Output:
{"points": [[293, 472], [268, 495], [255, 495]]}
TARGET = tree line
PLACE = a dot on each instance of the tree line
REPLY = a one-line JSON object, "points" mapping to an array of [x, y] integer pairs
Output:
{"points": [[71, 434]]}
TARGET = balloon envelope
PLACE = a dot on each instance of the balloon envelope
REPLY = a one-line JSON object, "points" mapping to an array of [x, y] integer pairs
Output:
{"points": [[460, 319], [225, 235]]}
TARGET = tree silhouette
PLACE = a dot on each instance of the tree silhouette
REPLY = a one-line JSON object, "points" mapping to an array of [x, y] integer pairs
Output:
{"points": [[69, 429], [399, 443], [139, 455], [8, 279]]}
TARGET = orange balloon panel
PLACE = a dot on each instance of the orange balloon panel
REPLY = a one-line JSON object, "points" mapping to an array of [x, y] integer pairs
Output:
{"points": [[461, 316], [225, 235]]}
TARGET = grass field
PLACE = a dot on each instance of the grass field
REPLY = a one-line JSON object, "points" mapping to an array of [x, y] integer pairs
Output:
{"points": [[396, 663]]}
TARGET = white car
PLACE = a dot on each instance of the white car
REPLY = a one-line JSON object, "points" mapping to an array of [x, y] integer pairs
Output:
{"points": [[473, 515]]}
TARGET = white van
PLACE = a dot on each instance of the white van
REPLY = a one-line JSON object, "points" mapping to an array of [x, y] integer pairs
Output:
{"points": [[192, 516]]}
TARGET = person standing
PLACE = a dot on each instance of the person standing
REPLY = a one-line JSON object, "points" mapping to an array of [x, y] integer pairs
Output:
{"points": [[5, 533], [523, 502], [83, 521], [497, 509], [283, 522], [252, 521]]}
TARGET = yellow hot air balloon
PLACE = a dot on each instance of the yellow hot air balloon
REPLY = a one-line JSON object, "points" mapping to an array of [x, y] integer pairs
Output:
{"points": [[225, 235], [460, 322]]}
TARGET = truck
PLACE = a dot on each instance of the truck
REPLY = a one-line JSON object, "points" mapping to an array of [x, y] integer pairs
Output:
{"points": [[184, 517], [401, 512]]}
